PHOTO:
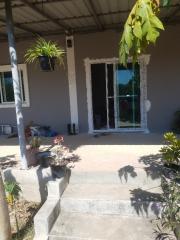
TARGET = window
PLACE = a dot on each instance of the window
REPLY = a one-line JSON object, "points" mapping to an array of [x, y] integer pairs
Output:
{"points": [[6, 86]]}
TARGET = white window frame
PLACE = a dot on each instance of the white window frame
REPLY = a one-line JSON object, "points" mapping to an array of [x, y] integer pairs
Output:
{"points": [[23, 68], [143, 62]]}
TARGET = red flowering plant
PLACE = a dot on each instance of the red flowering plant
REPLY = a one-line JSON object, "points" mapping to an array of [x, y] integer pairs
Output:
{"points": [[61, 153]]}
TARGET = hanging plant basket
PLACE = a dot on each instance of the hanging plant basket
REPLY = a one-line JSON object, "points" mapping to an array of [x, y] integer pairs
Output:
{"points": [[47, 64], [47, 53]]}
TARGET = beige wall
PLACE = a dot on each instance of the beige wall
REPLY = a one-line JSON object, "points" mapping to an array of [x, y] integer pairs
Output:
{"points": [[49, 96], [164, 80], [163, 83]]}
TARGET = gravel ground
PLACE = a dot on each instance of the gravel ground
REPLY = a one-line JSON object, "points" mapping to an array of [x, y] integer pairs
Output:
{"points": [[24, 212]]}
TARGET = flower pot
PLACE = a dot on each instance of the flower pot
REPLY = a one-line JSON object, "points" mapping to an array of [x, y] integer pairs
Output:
{"points": [[58, 171], [31, 156], [46, 63], [45, 162]]}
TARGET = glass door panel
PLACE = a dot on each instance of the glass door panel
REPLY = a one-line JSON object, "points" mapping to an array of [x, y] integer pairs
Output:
{"points": [[99, 100], [127, 82], [110, 96]]}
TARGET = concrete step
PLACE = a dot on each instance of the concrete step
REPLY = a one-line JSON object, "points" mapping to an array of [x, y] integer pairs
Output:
{"points": [[126, 175], [77, 226], [112, 199]]}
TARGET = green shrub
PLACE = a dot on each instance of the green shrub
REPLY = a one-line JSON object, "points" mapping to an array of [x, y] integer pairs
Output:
{"points": [[171, 210], [171, 151], [12, 191]]}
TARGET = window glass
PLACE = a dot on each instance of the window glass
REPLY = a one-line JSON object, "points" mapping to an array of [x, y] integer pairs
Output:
{"points": [[6, 86], [128, 96], [22, 86]]}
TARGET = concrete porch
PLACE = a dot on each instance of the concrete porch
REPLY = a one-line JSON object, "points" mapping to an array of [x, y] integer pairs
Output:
{"points": [[115, 185], [99, 152]]}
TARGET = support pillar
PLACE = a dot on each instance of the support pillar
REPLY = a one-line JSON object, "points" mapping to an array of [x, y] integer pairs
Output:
{"points": [[16, 83], [72, 79]]}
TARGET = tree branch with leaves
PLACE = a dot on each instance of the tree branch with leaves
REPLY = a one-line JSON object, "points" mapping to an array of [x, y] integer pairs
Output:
{"points": [[142, 28]]}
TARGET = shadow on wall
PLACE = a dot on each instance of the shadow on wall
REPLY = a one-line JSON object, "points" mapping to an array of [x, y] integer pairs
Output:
{"points": [[32, 182], [145, 198]]}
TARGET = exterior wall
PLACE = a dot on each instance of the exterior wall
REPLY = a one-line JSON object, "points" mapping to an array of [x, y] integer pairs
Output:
{"points": [[49, 96], [97, 45], [163, 79]]}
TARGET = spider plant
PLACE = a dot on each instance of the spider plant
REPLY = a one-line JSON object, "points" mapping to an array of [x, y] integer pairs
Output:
{"points": [[43, 50]]}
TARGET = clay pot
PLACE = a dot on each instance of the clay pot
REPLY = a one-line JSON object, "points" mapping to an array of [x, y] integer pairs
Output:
{"points": [[31, 156]]}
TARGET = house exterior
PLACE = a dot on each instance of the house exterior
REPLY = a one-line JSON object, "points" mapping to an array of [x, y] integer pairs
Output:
{"points": [[92, 90]]}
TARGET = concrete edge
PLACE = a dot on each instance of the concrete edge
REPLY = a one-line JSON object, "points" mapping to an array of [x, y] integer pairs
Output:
{"points": [[50, 210]]}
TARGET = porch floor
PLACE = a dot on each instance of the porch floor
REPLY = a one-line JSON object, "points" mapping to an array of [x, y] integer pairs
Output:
{"points": [[107, 152]]}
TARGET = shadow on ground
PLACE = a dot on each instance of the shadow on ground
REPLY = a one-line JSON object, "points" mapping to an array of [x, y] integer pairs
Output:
{"points": [[144, 199], [153, 165], [7, 162], [126, 172]]}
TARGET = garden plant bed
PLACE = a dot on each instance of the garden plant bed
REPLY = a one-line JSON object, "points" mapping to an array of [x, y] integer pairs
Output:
{"points": [[25, 212]]}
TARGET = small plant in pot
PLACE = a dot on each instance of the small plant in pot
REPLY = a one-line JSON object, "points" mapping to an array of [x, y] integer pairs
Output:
{"points": [[47, 53], [31, 151], [61, 157]]}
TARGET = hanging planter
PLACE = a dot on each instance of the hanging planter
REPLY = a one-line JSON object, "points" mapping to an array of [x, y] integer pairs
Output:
{"points": [[47, 53], [47, 63]]}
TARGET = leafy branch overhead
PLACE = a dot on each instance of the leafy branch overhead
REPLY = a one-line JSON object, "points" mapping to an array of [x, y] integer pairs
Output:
{"points": [[141, 28]]}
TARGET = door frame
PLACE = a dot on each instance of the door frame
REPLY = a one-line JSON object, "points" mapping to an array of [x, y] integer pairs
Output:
{"points": [[143, 61]]}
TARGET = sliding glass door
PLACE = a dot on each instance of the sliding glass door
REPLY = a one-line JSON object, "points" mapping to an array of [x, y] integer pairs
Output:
{"points": [[115, 96], [127, 82]]}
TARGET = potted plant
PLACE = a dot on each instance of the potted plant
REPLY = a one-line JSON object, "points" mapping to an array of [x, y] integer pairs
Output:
{"points": [[32, 149], [46, 52], [61, 157]]}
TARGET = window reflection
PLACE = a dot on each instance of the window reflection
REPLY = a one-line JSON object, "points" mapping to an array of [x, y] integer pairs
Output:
{"points": [[128, 96]]}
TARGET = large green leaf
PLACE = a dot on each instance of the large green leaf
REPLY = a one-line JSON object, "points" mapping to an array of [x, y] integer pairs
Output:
{"points": [[137, 30], [155, 22], [145, 28], [128, 36], [152, 35]]}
